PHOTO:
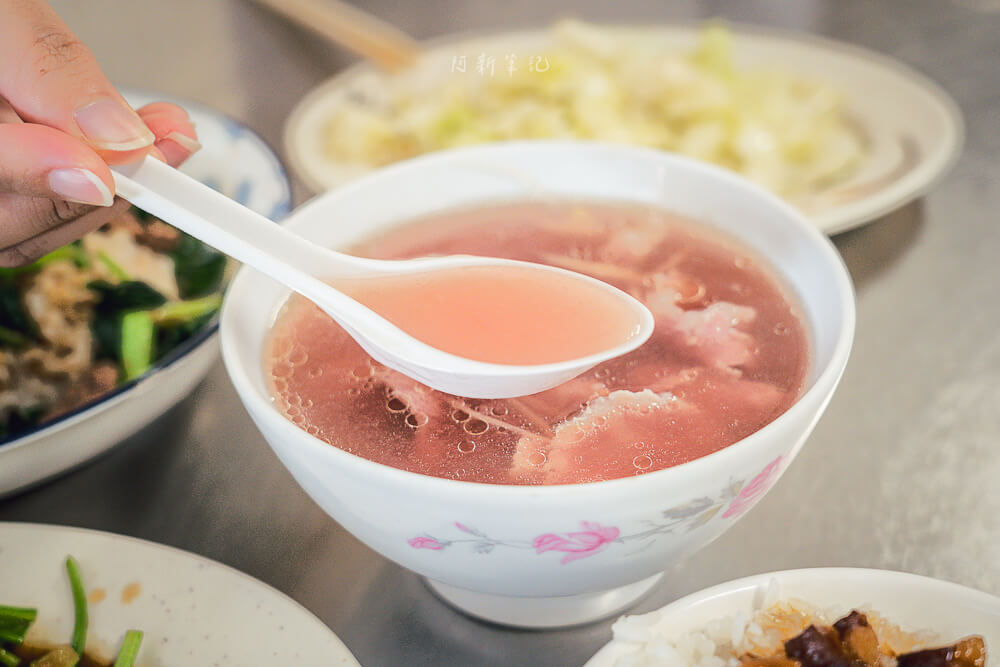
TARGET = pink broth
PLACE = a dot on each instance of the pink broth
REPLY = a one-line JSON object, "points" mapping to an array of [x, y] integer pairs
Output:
{"points": [[500, 314], [729, 354]]}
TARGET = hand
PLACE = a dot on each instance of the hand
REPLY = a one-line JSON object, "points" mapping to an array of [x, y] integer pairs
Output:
{"points": [[61, 124]]}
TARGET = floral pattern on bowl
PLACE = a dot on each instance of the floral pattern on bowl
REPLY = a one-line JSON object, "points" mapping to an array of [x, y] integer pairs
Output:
{"points": [[592, 538]]}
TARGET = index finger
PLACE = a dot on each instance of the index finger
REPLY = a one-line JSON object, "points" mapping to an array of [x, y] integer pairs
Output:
{"points": [[50, 77]]}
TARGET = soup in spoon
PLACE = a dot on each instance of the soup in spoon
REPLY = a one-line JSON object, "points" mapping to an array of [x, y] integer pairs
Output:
{"points": [[500, 314]]}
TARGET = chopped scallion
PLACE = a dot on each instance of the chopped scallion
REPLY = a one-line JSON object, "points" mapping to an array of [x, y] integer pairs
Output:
{"points": [[138, 336], [181, 312], [72, 252], [14, 623], [8, 659], [80, 619], [116, 270], [129, 649]]}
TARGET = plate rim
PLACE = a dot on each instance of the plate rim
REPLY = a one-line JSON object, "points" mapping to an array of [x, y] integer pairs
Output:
{"points": [[176, 552], [916, 183]]}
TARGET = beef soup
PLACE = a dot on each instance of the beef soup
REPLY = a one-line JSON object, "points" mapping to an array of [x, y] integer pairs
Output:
{"points": [[729, 354]]}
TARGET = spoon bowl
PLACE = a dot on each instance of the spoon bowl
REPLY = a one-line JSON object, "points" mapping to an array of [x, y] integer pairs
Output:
{"points": [[305, 266]]}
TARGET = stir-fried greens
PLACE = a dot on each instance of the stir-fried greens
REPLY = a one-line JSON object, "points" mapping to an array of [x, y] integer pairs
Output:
{"points": [[16, 621], [788, 132], [99, 312]]}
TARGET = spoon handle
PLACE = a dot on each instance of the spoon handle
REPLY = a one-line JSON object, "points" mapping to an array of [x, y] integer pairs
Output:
{"points": [[227, 225]]}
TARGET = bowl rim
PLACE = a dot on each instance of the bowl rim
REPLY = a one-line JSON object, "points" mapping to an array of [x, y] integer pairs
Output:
{"points": [[825, 380], [913, 185], [937, 587], [806, 573], [206, 333]]}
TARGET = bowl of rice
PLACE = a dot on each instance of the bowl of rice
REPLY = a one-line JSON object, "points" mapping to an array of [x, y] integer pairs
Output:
{"points": [[102, 336], [734, 623]]}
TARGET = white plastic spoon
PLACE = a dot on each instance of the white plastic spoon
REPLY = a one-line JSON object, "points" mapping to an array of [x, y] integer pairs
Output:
{"points": [[302, 265]]}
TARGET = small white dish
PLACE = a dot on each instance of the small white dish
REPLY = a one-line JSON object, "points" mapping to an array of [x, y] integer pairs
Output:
{"points": [[912, 602], [234, 160], [191, 610], [914, 129]]}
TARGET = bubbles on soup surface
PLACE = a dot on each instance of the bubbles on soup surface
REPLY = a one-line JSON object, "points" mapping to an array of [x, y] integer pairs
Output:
{"points": [[729, 354]]}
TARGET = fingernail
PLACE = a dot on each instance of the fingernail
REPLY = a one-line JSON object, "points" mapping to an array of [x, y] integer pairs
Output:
{"points": [[81, 186], [111, 126], [184, 141]]}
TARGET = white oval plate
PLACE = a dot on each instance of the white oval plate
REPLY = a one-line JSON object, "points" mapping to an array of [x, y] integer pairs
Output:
{"points": [[912, 602], [237, 162], [914, 128], [192, 610]]}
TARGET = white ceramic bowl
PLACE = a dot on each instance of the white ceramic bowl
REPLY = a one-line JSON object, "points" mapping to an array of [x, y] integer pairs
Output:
{"points": [[912, 602], [234, 160], [558, 555], [192, 611]]}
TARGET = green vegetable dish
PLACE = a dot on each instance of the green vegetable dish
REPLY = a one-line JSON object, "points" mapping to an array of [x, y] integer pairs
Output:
{"points": [[16, 621], [100, 312]]}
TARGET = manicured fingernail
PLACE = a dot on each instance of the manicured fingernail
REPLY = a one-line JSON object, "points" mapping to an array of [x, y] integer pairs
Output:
{"points": [[184, 141], [111, 126], [81, 186]]}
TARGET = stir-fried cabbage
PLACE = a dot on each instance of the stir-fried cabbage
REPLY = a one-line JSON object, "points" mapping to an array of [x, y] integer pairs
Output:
{"points": [[788, 133]]}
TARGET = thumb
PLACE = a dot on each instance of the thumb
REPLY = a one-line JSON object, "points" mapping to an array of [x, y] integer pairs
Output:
{"points": [[45, 164], [40, 161], [49, 77]]}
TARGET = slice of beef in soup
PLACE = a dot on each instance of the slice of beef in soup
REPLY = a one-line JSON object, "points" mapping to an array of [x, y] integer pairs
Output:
{"points": [[818, 647], [550, 407], [711, 336], [741, 406], [610, 438], [406, 394], [968, 652], [683, 289], [633, 244], [858, 638], [472, 441]]}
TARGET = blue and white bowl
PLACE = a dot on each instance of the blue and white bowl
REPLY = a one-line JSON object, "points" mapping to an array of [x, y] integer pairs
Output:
{"points": [[233, 160]]}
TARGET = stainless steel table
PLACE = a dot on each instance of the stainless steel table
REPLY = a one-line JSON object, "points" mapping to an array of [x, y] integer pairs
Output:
{"points": [[901, 473]]}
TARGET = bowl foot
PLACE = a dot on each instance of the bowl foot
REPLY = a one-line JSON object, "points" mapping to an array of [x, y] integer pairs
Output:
{"points": [[540, 612]]}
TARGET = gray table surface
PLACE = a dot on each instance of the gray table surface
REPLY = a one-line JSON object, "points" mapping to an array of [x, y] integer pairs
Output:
{"points": [[901, 472]]}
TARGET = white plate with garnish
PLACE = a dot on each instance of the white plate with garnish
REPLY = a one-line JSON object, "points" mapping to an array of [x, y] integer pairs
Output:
{"points": [[191, 610], [757, 614], [846, 134]]}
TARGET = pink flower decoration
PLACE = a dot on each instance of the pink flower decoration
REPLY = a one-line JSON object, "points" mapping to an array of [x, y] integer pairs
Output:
{"points": [[752, 492], [425, 543], [587, 542]]}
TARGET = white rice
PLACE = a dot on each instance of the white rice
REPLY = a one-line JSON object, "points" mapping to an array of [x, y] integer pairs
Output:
{"points": [[651, 641]]}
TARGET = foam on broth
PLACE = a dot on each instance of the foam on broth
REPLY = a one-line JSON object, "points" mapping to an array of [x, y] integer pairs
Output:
{"points": [[729, 354]]}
